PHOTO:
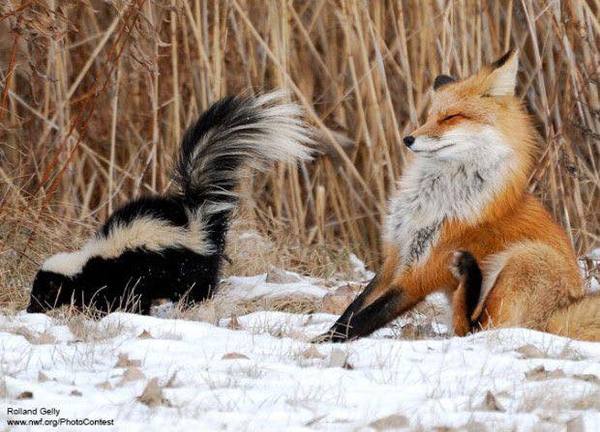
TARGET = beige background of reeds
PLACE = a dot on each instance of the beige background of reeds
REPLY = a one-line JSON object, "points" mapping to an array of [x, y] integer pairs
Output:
{"points": [[95, 96]]}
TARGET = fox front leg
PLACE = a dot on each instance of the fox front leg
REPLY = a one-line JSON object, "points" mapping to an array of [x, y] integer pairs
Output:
{"points": [[383, 300], [353, 325], [337, 332]]}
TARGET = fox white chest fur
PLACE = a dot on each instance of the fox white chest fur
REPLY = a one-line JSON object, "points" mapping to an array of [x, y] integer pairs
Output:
{"points": [[434, 190]]}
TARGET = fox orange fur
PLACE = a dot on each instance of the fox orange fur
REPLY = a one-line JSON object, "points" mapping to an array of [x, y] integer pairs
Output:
{"points": [[462, 222]]}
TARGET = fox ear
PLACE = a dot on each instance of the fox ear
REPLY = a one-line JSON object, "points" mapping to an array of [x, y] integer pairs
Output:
{"points": [[503, 76], [442, 80]]}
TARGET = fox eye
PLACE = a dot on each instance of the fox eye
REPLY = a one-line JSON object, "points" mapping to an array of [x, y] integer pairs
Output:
{"points": [[452, 116]]}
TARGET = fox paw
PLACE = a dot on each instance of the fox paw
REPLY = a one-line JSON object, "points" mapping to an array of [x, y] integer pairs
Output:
{"points": [[461, 262]]}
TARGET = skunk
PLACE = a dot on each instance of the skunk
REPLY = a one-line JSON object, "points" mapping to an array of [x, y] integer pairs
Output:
{"points": [[171, 246]]}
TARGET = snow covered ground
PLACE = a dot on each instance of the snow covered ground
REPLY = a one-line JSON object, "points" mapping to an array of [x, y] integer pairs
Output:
{"points": [[259, 372]]}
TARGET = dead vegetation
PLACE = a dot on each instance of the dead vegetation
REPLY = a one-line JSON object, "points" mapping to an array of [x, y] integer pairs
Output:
{"points": [[94, 97]]}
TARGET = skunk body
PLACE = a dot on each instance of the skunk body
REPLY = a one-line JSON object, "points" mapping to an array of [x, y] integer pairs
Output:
{"points": [[171, 246]]}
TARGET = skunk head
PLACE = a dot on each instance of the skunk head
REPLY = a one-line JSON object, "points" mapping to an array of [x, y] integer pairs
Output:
{"points": [[72, 278], [54, 284], [50, 290]]}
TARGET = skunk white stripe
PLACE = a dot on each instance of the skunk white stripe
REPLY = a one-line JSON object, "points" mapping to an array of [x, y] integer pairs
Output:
{"points": [[151, 234], [65, 263]]}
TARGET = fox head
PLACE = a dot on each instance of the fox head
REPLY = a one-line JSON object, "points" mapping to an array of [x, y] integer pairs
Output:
{"points": [[477, 117]]}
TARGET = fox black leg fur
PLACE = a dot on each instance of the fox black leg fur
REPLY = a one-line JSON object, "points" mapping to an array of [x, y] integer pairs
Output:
{"points": [[171, 246], [466, 270], [364, 321], [357, 321], [342, 329]]}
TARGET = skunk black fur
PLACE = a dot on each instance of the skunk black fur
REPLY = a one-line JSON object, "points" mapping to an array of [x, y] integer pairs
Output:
{"points": [[171, 246]]}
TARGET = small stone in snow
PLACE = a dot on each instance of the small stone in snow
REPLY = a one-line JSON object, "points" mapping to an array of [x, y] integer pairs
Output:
{"points": [[25, 395], [530, 351], [42, 377], [131, 374], [312, 353], [76, 393], [153, 395], [394, 421], [474, 426], [490, 403], [125, 362], [540, 373], [587, 378], [235, 356]]}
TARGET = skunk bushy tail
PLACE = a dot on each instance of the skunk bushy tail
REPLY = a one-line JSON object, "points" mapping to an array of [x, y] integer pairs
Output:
{"points": [[234, 132]]}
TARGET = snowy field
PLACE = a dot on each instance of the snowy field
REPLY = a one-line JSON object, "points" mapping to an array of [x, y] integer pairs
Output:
{"points": [[258, 372]]}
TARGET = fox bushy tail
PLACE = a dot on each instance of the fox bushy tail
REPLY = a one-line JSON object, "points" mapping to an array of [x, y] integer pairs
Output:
{"points": [[579, 320], [236, 132]]}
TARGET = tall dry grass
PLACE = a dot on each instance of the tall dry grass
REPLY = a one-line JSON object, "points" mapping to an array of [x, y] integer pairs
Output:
{"points": [[95, 95]]}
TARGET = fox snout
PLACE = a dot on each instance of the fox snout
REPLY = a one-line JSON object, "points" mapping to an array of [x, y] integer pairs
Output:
{"points": [[421, 143], [408, 140]]}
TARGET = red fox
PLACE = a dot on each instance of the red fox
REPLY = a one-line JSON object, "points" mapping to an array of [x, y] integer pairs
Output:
{"points": [[462, 222]]}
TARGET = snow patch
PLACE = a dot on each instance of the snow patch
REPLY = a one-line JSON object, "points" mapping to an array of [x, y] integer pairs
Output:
{"points": [[256, 287], [266, 376]]}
